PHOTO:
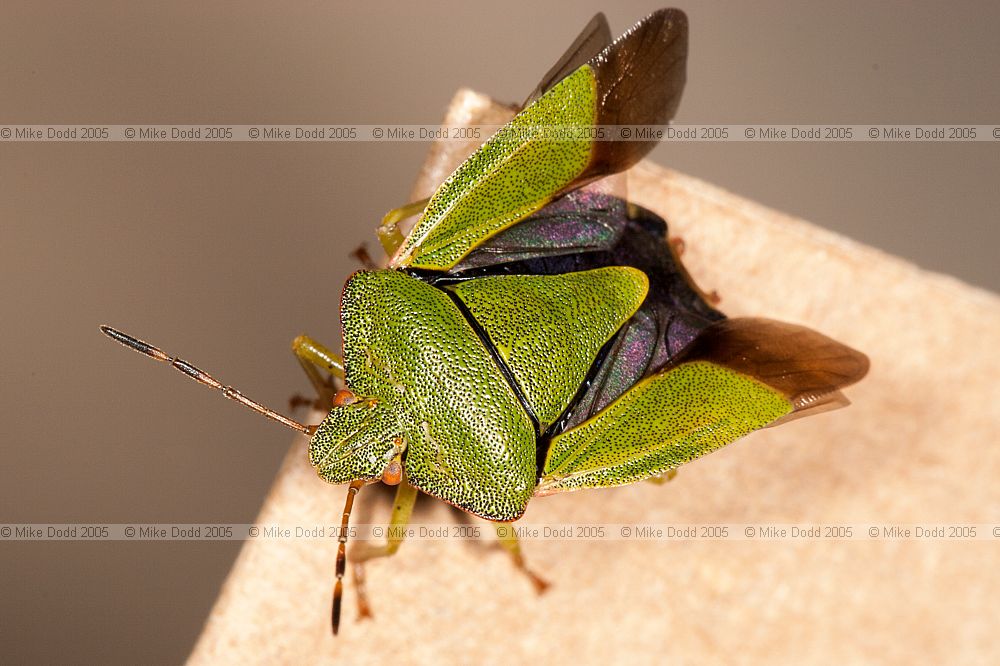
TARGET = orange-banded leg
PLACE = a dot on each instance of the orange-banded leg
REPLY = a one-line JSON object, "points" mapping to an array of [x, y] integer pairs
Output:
{"points": [[508, 539], [314, 357], [388, 231], [402, 509]]}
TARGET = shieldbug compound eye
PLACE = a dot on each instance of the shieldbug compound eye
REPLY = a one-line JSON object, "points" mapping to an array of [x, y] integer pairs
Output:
{"points": [[533, 334]]}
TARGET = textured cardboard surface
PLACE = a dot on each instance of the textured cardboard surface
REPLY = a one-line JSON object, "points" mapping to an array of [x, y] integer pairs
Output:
{"points": [[919, 445]]}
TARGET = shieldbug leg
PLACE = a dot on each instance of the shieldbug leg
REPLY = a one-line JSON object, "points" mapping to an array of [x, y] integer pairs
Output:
{"points": [[677, 247], [663, 478], [508, 539], [313, 357], [388, 232], [402, 509], [361, 254]]}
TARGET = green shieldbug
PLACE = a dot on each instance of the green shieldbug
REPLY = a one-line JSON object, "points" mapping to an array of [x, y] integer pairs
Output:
{"points": [[533, 334]]}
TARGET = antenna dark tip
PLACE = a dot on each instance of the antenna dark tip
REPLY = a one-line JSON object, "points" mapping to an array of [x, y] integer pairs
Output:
{"points": [[113, 333], [335, 616], [135, 344], [338, 586]]}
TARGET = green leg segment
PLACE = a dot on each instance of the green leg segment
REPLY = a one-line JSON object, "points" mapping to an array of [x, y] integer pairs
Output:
{"points": [[508, 539], [402, 509], [313, 357], [663, 478], [388, 232]]}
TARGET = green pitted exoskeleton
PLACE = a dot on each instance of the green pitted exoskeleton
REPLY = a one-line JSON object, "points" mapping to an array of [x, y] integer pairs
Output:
{"points": [[533, 334]]}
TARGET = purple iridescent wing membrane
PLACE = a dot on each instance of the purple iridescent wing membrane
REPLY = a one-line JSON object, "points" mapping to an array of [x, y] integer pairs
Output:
{"points": [[671, 318], [587, 229], [584, 220]]}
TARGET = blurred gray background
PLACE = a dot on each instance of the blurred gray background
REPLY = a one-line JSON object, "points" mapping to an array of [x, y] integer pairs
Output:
{"points": [[222, 253]]}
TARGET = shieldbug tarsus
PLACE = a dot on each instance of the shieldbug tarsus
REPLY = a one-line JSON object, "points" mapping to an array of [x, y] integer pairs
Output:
{"points": [[534, 334]]}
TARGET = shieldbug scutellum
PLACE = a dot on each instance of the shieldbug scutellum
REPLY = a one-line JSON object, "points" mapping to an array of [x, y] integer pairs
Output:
{"points": [[533, 334]]}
